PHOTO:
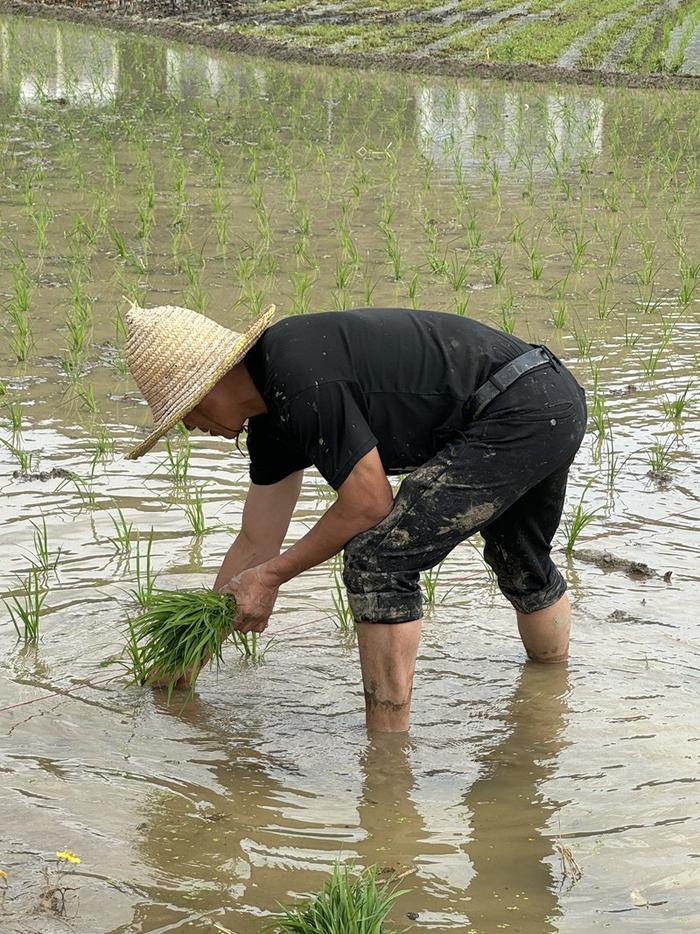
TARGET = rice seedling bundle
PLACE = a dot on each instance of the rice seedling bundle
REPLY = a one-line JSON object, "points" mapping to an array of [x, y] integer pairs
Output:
{"points": [[180, 631], [345, 905]]}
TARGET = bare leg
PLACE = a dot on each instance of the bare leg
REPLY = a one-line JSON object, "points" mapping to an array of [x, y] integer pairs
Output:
{"points": [[545, 634], [388, 659]]}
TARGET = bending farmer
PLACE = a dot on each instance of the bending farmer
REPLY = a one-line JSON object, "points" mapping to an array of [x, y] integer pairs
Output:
{"points": [[483, 425]]}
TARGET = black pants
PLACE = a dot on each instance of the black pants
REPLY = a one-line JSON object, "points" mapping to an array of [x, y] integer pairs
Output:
{"points": [[503, 475]]}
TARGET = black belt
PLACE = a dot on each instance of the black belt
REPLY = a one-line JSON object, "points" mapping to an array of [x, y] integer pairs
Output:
{"points": [[505, 377]]}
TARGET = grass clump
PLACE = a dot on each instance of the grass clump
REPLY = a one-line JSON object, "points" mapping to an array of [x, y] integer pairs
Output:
{"points": [[346, 904], [180, 631]]}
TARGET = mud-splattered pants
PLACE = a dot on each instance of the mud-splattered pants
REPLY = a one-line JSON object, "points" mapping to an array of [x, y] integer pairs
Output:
{"points": [[503, 475]]}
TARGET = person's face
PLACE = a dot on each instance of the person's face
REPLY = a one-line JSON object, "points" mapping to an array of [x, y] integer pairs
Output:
{"points": [[197, 419], [217, 414]]}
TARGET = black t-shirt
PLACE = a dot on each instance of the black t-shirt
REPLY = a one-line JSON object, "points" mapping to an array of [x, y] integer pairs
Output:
{"points": [[338, 384]]}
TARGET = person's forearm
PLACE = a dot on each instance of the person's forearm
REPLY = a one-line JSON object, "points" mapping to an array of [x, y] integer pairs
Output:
{"points": [[330, 534], [243, 554]]}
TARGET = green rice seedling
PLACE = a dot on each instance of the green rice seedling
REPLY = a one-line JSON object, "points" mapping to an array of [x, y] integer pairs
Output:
{"points": [[220, 219], [42, 219], [121, 540], [104, 448], [536, 261], [689, 282], [349, 247], [613, 249], [84, 489], [579, 245], [24, 458], [368, 287], [178, 459], [343, 275], [603, 307], [614, 463], [495, 177], [343, 617], [346, 904], [119, 242], [651, 361], [304, 224], [507, 313], [194, 510], [560, 313], [254, 298], [458, 273], [432, 235], [120, 364], [145, 578], [473, 235], [611, 198], [584, 342], [301, 301], [28, 190], [192, 267], [86, 394], [516, 230], [462, 303], [630, 337], [25, 610], [178, 633], [578, 520], [498, 270], [145, 217], [82, 232], [42, 559], [430, 582], [647, 275], [393, 250], [438, 264], [599, 415], [341, 300], [262, 216], [413, 289], [21, 338], [674, 408], [14, 414], [78, 325], [659, 458]]}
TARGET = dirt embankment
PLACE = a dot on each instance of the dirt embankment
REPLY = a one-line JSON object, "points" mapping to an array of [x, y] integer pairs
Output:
{"points": [[212, 23]]}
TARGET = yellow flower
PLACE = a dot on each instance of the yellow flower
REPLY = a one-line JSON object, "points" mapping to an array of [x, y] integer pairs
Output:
{"points": [[3, 874], [68, 856]]}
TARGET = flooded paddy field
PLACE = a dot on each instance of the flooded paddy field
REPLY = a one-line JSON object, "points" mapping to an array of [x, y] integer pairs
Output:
{"points": [[146, 171]]}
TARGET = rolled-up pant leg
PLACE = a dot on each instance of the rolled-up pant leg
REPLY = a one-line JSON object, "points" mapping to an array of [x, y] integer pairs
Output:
{"points": [[476, 478]]}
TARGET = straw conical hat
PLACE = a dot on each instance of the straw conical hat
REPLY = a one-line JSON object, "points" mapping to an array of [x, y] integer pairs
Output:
{"points": [[176, 356]]}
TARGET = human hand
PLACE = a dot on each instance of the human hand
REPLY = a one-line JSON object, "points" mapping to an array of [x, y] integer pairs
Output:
{"points": [[255, 591]]}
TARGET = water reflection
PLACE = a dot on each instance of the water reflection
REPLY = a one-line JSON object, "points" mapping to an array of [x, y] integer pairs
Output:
{"points": [[212, 847], [453, 122], [501, 876], [79, 69], [449, 121], [510, 846]]}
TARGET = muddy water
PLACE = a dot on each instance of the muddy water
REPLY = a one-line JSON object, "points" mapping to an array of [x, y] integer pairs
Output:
{"points": [[206, 818]]}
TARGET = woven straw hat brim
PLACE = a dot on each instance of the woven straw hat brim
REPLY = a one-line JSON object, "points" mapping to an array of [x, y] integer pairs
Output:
{"points": [[191, 393]]}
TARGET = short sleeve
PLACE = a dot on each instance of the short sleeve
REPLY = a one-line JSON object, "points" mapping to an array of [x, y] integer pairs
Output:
{"points": [[272, 453], [327, 423]]}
